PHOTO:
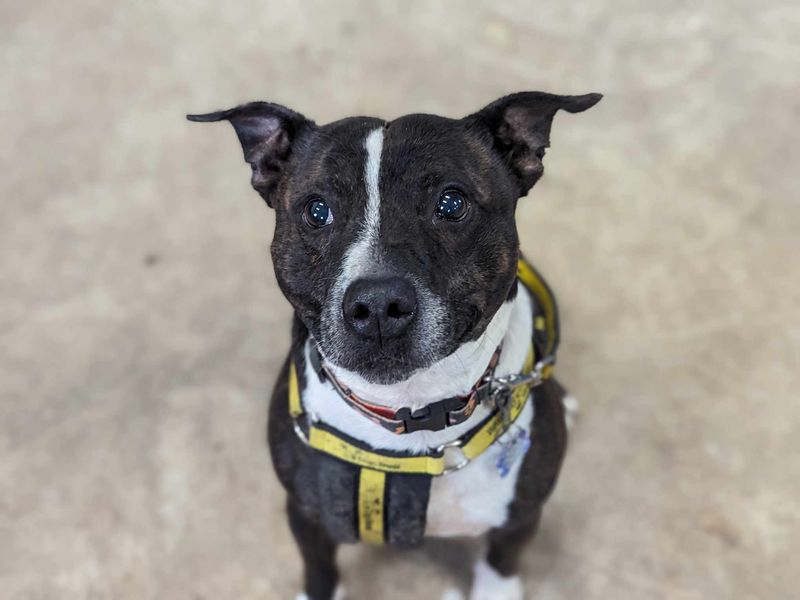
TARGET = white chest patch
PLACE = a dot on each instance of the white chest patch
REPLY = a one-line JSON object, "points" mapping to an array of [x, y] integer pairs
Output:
{"points": [[475, 499]]}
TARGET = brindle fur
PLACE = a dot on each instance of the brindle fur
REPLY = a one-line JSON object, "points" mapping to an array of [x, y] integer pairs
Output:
{"points": [[494, 157]]}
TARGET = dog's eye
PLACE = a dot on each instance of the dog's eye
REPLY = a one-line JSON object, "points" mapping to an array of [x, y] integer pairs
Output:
{"points": [[317, 213], [452, 206]]}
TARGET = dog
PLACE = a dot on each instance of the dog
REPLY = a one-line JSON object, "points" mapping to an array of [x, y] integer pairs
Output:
{"points": [[417, 398]]}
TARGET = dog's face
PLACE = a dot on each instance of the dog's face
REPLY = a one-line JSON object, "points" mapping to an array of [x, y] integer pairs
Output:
{"points": [[395, 242]]}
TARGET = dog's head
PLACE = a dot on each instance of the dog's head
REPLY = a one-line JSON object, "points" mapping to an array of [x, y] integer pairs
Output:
{"points": [[395, 242]]}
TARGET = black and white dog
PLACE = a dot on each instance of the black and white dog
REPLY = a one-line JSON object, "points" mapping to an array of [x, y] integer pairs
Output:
{"points": [[417, 398]]}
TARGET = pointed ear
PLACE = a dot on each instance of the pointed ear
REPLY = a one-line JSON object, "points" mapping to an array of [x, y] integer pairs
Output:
{"points": [[520, 129], [267, 133]]}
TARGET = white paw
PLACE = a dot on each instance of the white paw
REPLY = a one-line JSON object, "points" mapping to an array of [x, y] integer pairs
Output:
{"points": [[488, 584], [452, 594], [338, 594], [571, 410]]}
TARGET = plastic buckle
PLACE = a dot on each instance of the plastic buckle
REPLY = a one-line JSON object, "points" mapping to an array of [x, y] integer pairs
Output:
{"points": [[433, 417]]}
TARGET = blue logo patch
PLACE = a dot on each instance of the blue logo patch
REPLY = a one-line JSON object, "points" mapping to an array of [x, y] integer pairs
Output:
{"points": [[513, 449]]}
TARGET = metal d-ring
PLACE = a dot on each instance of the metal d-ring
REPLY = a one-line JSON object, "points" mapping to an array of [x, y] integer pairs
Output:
{"points": [[458, 443], [299, 430]]}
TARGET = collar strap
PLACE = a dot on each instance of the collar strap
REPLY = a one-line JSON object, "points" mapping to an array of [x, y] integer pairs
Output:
{"points": [[431, 417]]}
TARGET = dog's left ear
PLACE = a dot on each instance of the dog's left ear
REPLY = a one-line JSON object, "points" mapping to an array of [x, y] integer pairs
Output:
{"points": [[520, 128], [267, 133]]}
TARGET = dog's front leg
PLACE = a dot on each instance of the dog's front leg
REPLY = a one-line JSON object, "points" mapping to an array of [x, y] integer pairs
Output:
{"points": [[320, 575], [497, 577]]}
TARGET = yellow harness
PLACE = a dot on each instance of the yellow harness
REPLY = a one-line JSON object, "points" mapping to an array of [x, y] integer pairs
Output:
{"points": [[376, 464]]}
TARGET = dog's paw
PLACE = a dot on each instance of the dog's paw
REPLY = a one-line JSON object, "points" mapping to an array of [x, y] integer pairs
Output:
{"points": [[571, 410], [452, 594], [338, 594], [488, 584]]}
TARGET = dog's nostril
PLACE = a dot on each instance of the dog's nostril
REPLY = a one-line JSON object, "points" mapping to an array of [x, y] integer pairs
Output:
{"points": [[361, 312], [395, 312]]}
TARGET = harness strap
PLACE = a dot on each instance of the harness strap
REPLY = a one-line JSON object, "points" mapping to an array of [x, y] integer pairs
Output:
{"points": [[345, 448], [371, 492], [546, 324], [295, 405], [337, 444]]}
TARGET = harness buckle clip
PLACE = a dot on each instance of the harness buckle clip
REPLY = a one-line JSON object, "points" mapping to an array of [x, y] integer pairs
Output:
{"points": [[433, 417], [502, 388]]}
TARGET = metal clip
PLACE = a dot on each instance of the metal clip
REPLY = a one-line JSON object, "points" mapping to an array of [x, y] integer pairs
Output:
{"points": [[298, 429], [509, 383], [501, 398], [502, 388], [459, 465]]}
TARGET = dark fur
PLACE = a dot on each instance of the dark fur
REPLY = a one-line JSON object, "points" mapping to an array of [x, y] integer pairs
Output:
{"points": [[493, 157]]}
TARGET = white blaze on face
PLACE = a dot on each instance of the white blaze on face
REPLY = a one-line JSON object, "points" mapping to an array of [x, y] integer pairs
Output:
{"points": [[372, 169], [360, 256], [361, 253]]}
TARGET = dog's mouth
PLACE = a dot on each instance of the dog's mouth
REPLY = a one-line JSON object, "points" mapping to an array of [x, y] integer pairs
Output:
{"points": [[386, 368], [392, 362]]}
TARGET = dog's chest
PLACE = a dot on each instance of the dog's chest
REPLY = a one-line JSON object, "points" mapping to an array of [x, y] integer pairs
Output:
{"points": [[476, 498], [473, 500]]}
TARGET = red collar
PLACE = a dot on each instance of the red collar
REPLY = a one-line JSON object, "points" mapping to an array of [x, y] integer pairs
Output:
{"points": [[431, 417]]}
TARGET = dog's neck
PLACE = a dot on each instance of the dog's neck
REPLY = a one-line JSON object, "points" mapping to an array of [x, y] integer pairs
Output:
{"points": [[451, 376]]}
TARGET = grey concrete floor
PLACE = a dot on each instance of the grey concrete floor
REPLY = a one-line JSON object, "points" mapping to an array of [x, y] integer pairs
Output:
{"points": [[141, 328]]}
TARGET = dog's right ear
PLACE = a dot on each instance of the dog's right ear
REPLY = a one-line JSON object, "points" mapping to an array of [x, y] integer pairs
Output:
{"points": [[267, 133], [520, 127]]}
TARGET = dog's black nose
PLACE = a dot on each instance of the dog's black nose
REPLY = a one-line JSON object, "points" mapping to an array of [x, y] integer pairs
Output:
{"points": [[379, 308]]}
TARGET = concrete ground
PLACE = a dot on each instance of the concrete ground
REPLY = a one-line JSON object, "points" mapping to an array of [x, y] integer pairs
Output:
{"points": [[141, 328]]}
